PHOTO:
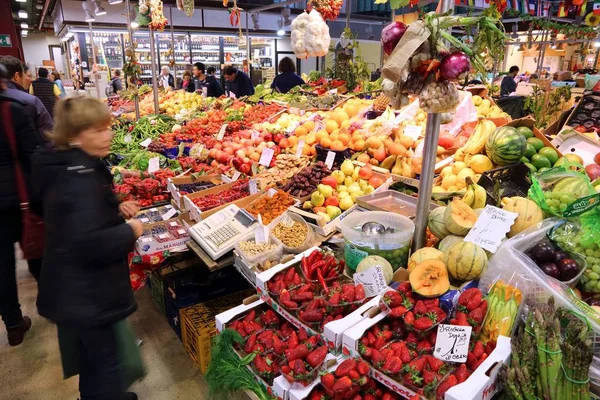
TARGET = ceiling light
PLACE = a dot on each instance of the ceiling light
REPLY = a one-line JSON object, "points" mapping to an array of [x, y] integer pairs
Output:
{"points": [[24, 33], [22, 14], [280, 32], [39, 6], [596, 44], [113, 2], [21, 1], [134, 25], [24, 25], [89, 17], [99, 10], [553, 46]]}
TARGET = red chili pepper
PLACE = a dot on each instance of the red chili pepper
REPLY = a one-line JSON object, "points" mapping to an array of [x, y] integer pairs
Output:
{"points": [[315, 267], [304, 266], [322, 282]]}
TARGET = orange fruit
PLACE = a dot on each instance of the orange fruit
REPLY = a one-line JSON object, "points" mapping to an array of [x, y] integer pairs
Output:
{"points": [[309, 125], [359, 145], [293, 140], [351, 109], [301, 131], [345, 124], [340, 116], [325, 143], [344, 138], [320, 135], [331, 125], [306, 150], [334, 136], [312, 150], [337, 145], [310, 139]]}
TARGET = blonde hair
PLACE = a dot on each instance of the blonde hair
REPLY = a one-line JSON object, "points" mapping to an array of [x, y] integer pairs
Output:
{"points": [[74, 115]]}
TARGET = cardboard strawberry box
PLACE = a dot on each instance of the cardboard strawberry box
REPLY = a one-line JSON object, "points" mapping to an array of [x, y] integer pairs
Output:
{"points": [[169, 235], [172, 184]]}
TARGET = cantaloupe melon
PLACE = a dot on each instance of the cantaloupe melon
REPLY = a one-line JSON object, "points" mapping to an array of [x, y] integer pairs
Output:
{"points": [[430, 278], [448, 241], [529, 213], [373, 261], [426, 253], [459, 217], [436, 223], [465, 261]]}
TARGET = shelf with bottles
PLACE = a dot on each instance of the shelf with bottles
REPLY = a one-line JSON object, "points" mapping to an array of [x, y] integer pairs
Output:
{"points": [[205, 43]]}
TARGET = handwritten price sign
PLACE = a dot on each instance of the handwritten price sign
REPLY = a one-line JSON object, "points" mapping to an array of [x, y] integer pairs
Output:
{"points": [[491, 227], [452, 343]]}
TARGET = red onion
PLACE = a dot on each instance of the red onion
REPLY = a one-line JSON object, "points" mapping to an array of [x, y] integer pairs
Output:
{"points": [[391, 35], [455, 65]]}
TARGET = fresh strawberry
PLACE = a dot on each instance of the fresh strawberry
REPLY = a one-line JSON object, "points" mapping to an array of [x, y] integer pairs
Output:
{"points": [[405, 355], [269, 318], [392, 365], [473, 299], [380, 342], [431, 303], [369, 396], [345, 367], [365, 352], [471, 360], [420, 308], [301, 297], [371, 338], [251, 316], [377, 359], [411, 338], [258, 348], [409, 318], [298, 367], [476, 317], [298, 353], [413, 378], [397, 312], [354, 375], [478, 349], [423, 323], [424, 347], [279, 346], [434, 364], [289, 304], [462, 373], [312, 342], [428, 377], [341, 385], [312, 315], [359, 292], [478, 363], [484, 306], [289, 275], [446, 384], [490, 346], [440, 315], [391, 298], [335, 299], [405, 287], [250, 342], [265, 336], [460, 319], [285, 369], [316, 357], [297, 280], [294, 339], [417, 364], [347, 294], [363, 368], [285, 295], [328, 380], [251, 327], [261, 365], [390, 396]]}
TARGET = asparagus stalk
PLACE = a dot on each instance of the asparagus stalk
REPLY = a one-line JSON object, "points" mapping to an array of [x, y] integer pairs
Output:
{"points": [[554, 356], [540, 333]]}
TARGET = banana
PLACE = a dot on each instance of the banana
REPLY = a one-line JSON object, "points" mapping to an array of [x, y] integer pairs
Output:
{"points": [[480, 196], [476, 142], [469, 196]]}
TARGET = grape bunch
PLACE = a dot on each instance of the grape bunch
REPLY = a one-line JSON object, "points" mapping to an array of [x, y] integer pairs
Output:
{"points": [[572, 239], [558, 201]]}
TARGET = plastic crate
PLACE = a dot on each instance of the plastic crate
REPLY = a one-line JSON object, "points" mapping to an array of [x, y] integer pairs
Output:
{"points": [[157, 291], [512, 180], [198, 325]]}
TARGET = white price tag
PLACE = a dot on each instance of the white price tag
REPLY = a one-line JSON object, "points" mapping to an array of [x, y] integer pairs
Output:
{"points": [[196, 150], [170, 214], [295, 110], [266, 156], [372, 280], [144, 220], [259, 235], [255, 135], [491, 227], [127, 138], [413, 131], [300, 148], [419, 149], [253, 186], [221, 133], [286, 221], [235, 176], [153, 164], [330, 159], [146, 142], [452, 343], [319, 125]]}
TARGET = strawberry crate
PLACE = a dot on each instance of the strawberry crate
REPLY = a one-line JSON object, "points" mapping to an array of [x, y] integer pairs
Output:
{"points": [[202, 182]]}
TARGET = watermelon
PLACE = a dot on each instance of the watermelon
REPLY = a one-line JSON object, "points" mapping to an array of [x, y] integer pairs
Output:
{"points": [[506, 146]]}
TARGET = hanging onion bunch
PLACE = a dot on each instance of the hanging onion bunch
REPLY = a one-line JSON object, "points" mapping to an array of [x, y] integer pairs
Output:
{"points": [[310, 35], [433, 67]]}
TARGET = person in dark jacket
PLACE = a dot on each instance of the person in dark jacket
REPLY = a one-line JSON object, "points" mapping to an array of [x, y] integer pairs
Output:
{"points": [[508, 84], [238, 82], [16, 88], [45, 90], [84, 286], [115, 83], [203, 81], [13, 115], [287, 77]]}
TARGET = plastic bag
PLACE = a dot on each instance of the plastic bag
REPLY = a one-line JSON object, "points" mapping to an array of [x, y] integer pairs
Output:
{"points": [[563, 192]]}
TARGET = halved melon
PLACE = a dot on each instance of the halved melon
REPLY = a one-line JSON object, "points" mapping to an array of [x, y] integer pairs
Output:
{"points": [[426, 253], [459, 217], [430, 278]]}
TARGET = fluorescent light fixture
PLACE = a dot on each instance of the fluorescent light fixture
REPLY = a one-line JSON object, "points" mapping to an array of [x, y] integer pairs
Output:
{"points": [[24, 33], [596, 44], [98, 9], [22, 14], [280, 32], [24, 25], [89, 17], [113, 2], [21, 1], [134, 25]]}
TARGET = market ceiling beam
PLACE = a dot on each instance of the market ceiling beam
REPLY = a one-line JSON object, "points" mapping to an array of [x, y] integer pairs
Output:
{"points": [[44, 12]]}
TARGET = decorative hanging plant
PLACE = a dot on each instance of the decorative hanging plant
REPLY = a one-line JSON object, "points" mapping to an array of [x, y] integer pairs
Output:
{"points": [[143, 14], [159, 21], [234, 18], [187, 6], [569, 30], [329, 9]]}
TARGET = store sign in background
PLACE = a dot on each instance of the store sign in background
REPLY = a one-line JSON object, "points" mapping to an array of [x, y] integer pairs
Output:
{"points": [[5, 40]]}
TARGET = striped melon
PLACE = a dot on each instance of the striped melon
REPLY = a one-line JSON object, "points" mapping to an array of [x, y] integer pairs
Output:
{"points": [[447, 242], [506, 146], [436, 223], [426, 253], [529, 213], [465, 261], [459, 217]]}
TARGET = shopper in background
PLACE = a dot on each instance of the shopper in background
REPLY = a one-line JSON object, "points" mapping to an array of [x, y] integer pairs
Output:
{"points": [[58, 82], [508, 84], [17, 80], [17, 133], [287, 77], [166, 78], [115, 82], [186, 81], [45, 90], [84, 285], [238, 82], [202, 81], [211, 71]]}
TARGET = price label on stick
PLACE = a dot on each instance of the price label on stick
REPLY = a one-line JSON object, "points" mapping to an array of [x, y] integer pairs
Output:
{"points": [[286, 221], [127, 138], [413, 131], [146, 142], [261, 234], [221, 133], [235, 176], [491, 227], [266, 156], [253, 186], [255, 135], [330, 159], [452, 343], [300, 148], [372, 280], [153, 164]]}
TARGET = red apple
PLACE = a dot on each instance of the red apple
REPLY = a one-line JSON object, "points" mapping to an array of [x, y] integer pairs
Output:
{"points": [[268, 137], [277, 137], [375, 181], [245, 169], [446, 141], [597, 158], [365, 172], [593, 171], [237, 163], [329, 181]]}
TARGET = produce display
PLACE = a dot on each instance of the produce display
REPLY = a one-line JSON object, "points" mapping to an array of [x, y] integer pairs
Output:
{"points": [[270, 207], [238, 191]]}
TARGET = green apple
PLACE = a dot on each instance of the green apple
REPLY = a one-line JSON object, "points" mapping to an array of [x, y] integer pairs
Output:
{"points": [[353, 188], [333, 211], [355, 174], [325, 216], [346, 202], [348, 181], [339, 176], [368, 189], [317, 199], [307, 205], [341, 188], [347, 167], [325, 190]]}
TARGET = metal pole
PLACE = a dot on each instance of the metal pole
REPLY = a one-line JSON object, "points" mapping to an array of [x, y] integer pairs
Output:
{"points": [[596, 59], [136, 98], [153, 65], [348, 12], [248, 55], [173, 44], [94, 57], [432, 133]]}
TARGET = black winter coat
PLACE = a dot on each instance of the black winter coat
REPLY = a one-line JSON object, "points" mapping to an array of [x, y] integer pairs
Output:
{"points": [[28, 139], [85, 277]]}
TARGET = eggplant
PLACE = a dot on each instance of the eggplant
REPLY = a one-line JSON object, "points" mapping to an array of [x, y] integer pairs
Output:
{"points": [[542, 252], [568, 269], [560, 255], [550, 269]]}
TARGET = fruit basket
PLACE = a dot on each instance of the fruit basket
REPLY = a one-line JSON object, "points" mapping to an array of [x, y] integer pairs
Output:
{"points": [[509, 181]]}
